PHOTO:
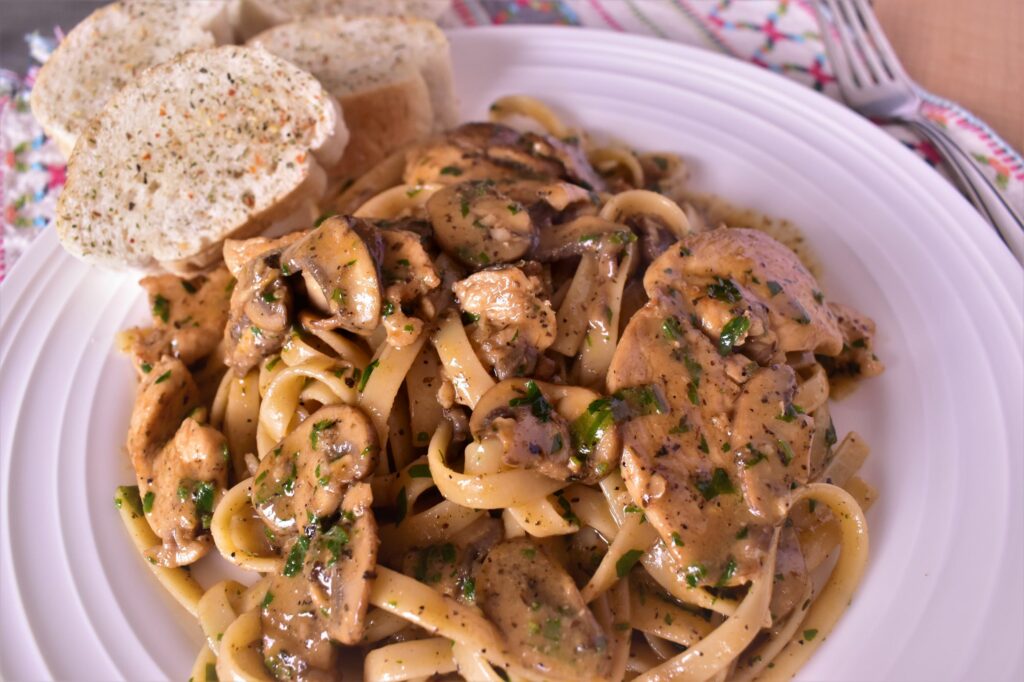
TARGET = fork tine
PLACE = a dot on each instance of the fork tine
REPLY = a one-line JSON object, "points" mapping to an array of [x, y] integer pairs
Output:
{"points": [[886, 54], [867, 49], [834, 50], [854, 64]]}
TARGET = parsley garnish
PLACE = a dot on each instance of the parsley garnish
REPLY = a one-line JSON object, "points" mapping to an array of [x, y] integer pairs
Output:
{"points": [[731, 333], [536, 401], [314, 435], [694, 574], [809, 635], [161, 308], [366, 375], [267, 599], [419, 471], [334, 540], [147, 502], [718, 484], [724, 290], [727, 573], [163, 377], [296, 557], [626, 562], [451, 170], [469, 589]]}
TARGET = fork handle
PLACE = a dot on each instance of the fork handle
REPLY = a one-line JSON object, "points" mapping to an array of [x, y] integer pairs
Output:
{"points": [[979, 189]]}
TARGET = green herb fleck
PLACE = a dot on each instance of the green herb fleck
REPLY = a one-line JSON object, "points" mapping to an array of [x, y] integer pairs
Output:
{"points": [[731, 333], [267, 599], [163, 377], [419, 471], [451, 170], [147, 502], [718, 484], [366, 375], [296, 557], [810, 634], [724, 290], [626, 562], [161, 308], [535, 400], [318, 428]]}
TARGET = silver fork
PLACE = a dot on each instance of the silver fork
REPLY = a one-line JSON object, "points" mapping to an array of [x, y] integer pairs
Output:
{"points": [[873, 82]]}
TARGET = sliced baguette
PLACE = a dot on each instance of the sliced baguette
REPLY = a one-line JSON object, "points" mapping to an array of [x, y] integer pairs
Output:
{"points": [[109, 49], [392, 76], [254, 16], [216, 143]]}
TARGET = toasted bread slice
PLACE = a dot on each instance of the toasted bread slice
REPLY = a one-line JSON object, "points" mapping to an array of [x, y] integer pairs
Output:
{"points": [[216, 143], [254, 16], [392, 76], [109, 49]]}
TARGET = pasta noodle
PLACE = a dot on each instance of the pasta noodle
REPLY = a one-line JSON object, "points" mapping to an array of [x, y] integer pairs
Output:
{"points": [[517, 414]]}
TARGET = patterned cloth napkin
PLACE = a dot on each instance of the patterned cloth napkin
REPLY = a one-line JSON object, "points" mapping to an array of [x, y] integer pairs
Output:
{"points": [[781, 35]]}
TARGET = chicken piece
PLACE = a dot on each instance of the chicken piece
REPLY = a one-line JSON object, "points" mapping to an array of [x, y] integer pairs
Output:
{"points": [[491, 151], [479, 224], [308, 473], [540, 613], [261, 308], [181, 465], [750, 293], [188, 319], [296, 644], [514, 325], [678, 462], [408, 275], [772, 441], [857, 359], [339, 262]]}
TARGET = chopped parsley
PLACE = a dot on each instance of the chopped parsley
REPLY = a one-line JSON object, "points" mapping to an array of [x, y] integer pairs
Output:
{"points": [[387, 309], [161, 308], [790, 412], [470, 318], [810, 634], [163, 377], [419, 471], [334, 540], [694, 574], [267, 599], [627, 561], [744, 532], [671, 329], [147, 502], [727, 573], [469, 589], [785, 452], [717, 484], [146, 367], [731, 333], [366, 375], [296, 557], [272, 363], [724, 290], [451, 170], [318, 428], [535, 400]]}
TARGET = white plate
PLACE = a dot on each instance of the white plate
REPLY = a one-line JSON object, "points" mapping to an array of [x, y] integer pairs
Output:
{"points": [[942, 598]]}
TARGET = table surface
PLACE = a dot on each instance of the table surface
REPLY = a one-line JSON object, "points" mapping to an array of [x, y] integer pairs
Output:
{"points": [[968, 52]]}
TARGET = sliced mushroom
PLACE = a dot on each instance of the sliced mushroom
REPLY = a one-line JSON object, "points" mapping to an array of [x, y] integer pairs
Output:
{"points": [[188, 319], [180, 464], [238, 252], [479, 224], [341, 564], [540, 612], [308, 473], [772, 441], [792, 582], [451, 567], [408, 276], [678, 463], [339, 263], [585, 234], [735, 274], [296, 644], [260, 313], [478, 151], [514, 324], [558, 430]]}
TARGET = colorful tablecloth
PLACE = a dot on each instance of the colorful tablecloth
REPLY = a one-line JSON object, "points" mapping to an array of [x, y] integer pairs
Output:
{"points": [[781, 35]]}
